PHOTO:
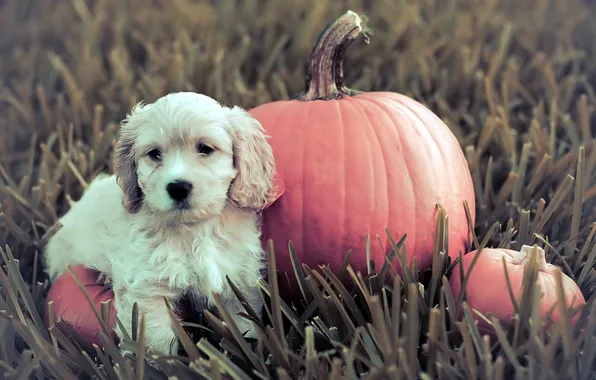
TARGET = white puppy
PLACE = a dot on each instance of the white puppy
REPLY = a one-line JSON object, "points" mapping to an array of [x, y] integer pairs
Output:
{"points": [[179, 214]]}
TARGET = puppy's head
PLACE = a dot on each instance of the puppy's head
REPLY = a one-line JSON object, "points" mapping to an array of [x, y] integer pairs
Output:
{"points": [[186, 156]]}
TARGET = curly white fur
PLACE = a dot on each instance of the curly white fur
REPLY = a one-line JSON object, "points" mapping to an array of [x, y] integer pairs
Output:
{"points": [[129, 227]]}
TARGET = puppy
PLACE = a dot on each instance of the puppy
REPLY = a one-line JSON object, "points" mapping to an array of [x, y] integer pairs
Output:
{"points": [[179, 214]]}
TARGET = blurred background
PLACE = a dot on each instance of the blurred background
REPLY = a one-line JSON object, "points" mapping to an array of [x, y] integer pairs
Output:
{"points": [[498, 72], [501, 73]]}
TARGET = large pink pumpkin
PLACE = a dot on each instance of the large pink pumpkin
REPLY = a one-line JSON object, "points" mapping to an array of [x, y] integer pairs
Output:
{"points": [[354, 163]]}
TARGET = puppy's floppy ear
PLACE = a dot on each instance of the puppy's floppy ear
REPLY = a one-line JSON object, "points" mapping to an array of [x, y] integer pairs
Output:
{"points": [[253, 158], [125, 166]]}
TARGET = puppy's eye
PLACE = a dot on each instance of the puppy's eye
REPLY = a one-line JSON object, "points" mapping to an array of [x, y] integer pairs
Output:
{"points": [[154, 154], [204, 149]]}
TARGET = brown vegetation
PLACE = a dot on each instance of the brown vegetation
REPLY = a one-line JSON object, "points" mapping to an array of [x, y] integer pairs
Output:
{"points": [[514, 79]]}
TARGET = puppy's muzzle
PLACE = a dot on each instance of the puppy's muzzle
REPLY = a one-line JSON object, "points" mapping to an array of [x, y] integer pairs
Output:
{"points": [[179, 190]]}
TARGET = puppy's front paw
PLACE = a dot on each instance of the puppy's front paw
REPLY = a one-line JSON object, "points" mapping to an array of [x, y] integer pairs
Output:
{"points": [[163, 343], [251, 333], [246, 327], [105, 280], [158, 342], [125, 351]]}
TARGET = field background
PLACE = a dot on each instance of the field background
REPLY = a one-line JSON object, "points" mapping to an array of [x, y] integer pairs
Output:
{"points": [[514, 80]]}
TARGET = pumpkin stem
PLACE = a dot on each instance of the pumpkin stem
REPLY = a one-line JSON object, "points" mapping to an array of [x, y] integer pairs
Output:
{"points": [[526, 252], [324, 71]]}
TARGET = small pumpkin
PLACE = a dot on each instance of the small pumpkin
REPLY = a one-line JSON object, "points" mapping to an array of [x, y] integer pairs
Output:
{"points": [[487, 290], [71, 306], [354, 163]]}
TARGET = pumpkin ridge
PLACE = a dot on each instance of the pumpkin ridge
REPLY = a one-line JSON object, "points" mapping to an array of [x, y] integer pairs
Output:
{"points": [[303, 223], [408, 170], [446, 202], [403, 110], [355, 104], [413, 111], [358, 102], [317, 116], [344, 153]]}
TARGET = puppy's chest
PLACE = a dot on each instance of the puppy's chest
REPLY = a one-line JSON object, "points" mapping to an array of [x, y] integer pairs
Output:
{"points": [[201, 265]]}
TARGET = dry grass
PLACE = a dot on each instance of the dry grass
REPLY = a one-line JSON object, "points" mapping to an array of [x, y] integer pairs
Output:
{"points": [[514, 79]]}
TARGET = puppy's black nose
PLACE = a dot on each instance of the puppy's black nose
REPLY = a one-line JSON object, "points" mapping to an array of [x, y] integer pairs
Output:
{"points": [[179, 190]]}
